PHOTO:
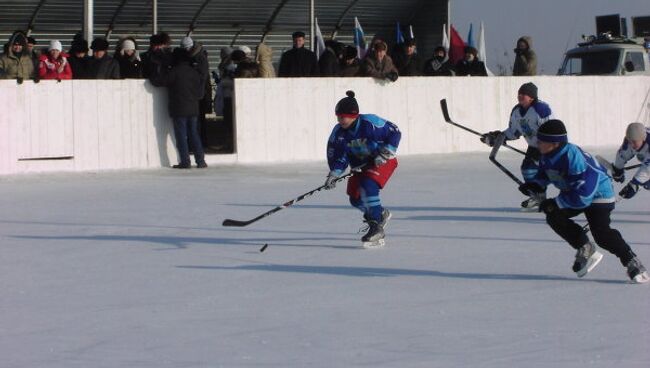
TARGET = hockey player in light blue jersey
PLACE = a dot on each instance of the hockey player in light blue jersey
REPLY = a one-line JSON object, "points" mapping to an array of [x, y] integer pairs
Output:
{"points": [[585, 188], [636, 143], [525, 118], [368, 142]]}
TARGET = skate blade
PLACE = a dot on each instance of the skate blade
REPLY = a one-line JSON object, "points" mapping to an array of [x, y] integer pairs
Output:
{"points": [[374, 244], [641, 278], [529, 209], [593, 261]]}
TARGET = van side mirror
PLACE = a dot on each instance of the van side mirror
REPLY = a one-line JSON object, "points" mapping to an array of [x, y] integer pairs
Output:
{"points": [[629, 66]]}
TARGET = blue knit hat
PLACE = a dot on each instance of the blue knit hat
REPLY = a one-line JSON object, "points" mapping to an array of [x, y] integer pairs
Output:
{"points": [[552, 131]]}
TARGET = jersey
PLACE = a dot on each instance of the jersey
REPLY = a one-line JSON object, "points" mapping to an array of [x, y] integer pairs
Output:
{"points": [[580, 178], [361, 142], [526, 121], [626, 153]]}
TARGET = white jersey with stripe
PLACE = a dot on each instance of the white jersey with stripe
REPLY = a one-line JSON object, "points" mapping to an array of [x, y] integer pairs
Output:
{"points": [[626, 153], [526, 121]]}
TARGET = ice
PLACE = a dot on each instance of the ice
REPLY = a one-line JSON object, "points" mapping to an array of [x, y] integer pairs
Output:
{"points": [[133, 269]]}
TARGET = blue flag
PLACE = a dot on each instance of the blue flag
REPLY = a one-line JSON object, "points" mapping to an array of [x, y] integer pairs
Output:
{"points": [[399, 35], [470, 37], [359, 40]]}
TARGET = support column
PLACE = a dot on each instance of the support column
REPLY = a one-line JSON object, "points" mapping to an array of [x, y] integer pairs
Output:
{"points": [[89, 20], [154, 21], [312, 14]]}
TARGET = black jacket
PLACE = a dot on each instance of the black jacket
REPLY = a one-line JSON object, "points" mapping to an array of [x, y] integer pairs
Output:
{"points": [[298, 62], [156, 65], [80, 67], [437, 68], [104, 68], [184, 84], [129, 67], [476, 68]]}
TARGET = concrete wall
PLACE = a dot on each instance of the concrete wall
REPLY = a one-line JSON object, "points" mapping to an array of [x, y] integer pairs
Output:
{"points": [[98, 125]]}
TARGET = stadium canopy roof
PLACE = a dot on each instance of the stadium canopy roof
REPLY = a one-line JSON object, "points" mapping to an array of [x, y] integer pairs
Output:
{"points": [[219, 23]]}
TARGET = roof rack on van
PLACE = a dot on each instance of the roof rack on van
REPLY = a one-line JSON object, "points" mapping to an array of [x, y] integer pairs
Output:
{"points": [[604, 38]]}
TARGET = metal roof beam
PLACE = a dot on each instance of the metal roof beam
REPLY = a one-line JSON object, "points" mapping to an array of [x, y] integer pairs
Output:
{"points": [[114, 18], [30, 26], [196, 16], [269, 23], [339, 23]]}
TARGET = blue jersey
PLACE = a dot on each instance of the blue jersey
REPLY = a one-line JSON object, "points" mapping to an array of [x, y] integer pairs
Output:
{"points": [[580, 178], [361, 142]]}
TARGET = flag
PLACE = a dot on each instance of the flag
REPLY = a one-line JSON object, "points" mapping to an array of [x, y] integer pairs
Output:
{"points": [[320, 43], [411, 32], [456, 46], [470, 37], [481, 49], [445, 38], [398, 34], [359, 40]]}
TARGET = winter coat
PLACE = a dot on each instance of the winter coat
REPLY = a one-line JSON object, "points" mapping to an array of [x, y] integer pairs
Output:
{"points": [[199, 57], [155, 65], [80, 67], [185, 86], [526, 59], [247, 69], [104, 68], [130, 67], [328, 64], [14, 66], [351, 70], [58, 69], [409, 65], [475, 68], [435, 67], [372, 67], [298, 62], [264, 60]]}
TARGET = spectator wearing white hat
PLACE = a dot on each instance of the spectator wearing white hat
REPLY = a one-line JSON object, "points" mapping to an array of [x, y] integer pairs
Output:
{"points": [[54, 64], [128, 57]]}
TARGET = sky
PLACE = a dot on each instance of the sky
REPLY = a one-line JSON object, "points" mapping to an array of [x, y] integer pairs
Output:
{"points": [[554, 25]]}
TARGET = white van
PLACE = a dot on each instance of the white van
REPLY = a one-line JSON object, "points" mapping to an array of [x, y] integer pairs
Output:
{"points": [[606, 56]]}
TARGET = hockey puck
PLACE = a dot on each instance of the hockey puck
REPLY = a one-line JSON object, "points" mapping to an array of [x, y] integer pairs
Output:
{"points": [[264, 247]]}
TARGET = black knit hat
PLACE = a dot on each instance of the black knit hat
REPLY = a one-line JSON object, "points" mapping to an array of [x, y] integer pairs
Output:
{"points": [[552, 131], [99, 44], [347, 106], [298, 34], [528, 89], [350, 52]]}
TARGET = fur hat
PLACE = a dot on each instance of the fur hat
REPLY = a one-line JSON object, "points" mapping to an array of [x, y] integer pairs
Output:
{"points": [[528, 89], [552, 131], [350, 52], [298, 34], [347, 106], [99, 44], [636, 132]]}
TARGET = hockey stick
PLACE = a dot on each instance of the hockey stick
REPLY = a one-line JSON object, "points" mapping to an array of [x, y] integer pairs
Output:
{"points": [[238, 223], [445, 113], [610, 167]]}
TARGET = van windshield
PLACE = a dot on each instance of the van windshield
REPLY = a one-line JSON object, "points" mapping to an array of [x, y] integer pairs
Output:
{"points": [[591, 63]]}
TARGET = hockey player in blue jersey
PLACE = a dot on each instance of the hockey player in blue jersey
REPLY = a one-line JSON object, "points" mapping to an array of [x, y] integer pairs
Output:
{"points": [[369, 142], [585, 188], [636, 143], [525, 118]]}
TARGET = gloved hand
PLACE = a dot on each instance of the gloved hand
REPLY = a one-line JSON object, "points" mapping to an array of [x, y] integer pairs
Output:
{"points": [[618, 174], [383, 156], [330, 182], [531, 188], [490, 137], [548, 205], [391, 76], [629, 190]]}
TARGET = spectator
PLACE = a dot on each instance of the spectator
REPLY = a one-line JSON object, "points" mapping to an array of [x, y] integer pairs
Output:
{"points": [[350, 66], [439, 65], [185, 85], [525, 58], [298, 62], [378, 64], [35, 54], [16, 62], [224, 93], [409, 63], [78, 58], [199, 61], [128, 57], [264, 59], [329, 63], [157, 60], [470, 65], [246, 68], [247, 51], [54, 64], [102, 65]]}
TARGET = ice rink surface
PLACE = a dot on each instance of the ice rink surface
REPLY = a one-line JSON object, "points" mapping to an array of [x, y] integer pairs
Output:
{"points": [[133, 269]]}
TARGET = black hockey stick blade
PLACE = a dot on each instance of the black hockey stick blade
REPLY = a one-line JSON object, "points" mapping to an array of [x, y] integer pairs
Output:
{"points": [[445, 111], [237, 223]]}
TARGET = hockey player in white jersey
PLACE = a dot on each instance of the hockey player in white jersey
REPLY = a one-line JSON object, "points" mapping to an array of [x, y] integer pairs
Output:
{"points": [[525, 118], [636, 143]]}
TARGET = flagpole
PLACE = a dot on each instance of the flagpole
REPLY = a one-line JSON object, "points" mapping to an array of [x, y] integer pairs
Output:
{"points": [[311, 25]]}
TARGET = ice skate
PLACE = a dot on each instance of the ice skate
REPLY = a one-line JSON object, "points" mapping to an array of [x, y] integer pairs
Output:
{"points": [[637, 272], [385, 217], [374, 238], [532, 204], [587, 258]]}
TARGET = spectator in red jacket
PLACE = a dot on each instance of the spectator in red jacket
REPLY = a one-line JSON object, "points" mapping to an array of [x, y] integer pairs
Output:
{"points": [[54, 64]]}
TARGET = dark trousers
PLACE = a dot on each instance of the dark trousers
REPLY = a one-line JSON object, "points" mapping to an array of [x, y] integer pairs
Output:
{"points": [[186, 127], [598, 217]]}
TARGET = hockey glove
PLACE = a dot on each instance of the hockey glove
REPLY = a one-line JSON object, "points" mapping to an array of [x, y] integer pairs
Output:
{"points": [[490, 138], [618, 174], [383, 156], [330, 182], [548, 205], [531, 188], [629, 190]]}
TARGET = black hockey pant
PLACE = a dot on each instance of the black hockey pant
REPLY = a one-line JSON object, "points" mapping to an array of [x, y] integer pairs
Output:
{"points": [[598, 218]]}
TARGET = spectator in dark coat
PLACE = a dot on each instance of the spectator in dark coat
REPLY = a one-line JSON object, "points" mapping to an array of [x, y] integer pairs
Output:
{"points": [[470, 65], [34, 52], [329, 62], [298, 62], [157, 61], [525, 59], [350, 64], [79, 59], [185, 86], [199, 61], [439, 65], [102, 65], [378, 64], [409, 63], [128, 57], [246, 68]]}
